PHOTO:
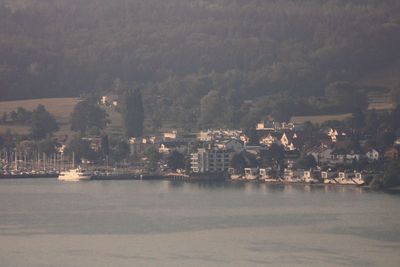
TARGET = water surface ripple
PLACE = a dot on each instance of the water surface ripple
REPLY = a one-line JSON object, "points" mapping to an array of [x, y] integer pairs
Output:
{"points": [[162, 223]]}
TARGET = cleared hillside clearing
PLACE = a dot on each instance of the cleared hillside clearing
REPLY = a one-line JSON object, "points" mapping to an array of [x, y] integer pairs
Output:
{"points": [[60, 108], [320, 118]]}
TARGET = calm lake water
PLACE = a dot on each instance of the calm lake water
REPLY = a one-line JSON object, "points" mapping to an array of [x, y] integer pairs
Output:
{"points": [[161, 223]]}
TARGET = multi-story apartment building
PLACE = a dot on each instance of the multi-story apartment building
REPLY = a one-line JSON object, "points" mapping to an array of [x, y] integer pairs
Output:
{"points": [[211, 160], [216, 156]]}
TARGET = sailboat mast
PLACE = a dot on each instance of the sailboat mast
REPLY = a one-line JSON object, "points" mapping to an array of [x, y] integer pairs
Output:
{"points": [[16, 160]]}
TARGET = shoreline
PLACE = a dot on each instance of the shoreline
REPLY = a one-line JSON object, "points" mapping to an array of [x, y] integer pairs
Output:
{"points": [[190, 178]]}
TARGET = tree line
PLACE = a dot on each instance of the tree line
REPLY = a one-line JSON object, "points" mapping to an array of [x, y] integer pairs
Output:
{"points": [[188, 55]]}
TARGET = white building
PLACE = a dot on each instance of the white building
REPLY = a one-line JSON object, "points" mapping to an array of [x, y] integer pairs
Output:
{"points": [[372, 155], [275, 126], [268, 140], [169, 146], [211, 160], [333, 135], [173, 135], [265, 125], [213, 135], [284, 140], [104, 100], [108, 100]]}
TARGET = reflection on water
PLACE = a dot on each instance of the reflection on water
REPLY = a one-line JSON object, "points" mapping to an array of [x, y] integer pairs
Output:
{"points": [[255, 187], [163, 206], [256, 218]]}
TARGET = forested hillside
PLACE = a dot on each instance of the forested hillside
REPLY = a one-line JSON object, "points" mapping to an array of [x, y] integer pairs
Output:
{"points": [[197, 61]]}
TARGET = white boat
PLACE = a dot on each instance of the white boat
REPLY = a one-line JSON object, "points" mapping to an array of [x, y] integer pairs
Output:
{"points": [[272, 180], [289, 176], [74, 175], [327, 177], [233, 175], [309, 178], [349, 179], [359, 180], [264, 176], [329, 181], [250, 173]]}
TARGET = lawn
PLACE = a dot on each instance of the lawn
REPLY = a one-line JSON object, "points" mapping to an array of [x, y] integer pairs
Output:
{"points": [[320, 118], [60, 108]]}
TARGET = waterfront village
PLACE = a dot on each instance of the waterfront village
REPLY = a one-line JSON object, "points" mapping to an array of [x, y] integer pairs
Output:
{"points": [[277, 152], [272, 152]]}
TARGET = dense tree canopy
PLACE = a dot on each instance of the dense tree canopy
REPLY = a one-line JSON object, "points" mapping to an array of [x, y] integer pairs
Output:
{"points": [[238, 162], [88, 116], [391, 177], [345, 95], [176, 160], [306, 162], [119, 149], [179, 51], [43, 123], [46, 146], [152, 158], [80, 149], [20, 116]]}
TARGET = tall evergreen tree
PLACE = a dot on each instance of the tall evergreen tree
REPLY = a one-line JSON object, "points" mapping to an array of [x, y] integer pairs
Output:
{"points": [[133, 113], [43, 123]]}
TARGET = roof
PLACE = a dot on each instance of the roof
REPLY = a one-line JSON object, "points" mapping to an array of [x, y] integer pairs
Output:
{"points": [[318, 150], [170, 144]]}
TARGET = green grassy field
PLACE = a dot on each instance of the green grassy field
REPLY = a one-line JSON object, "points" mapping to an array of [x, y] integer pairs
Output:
{"points": [[386, 79], [377, 101], [60, 108], [380, 102], [320, 118]]}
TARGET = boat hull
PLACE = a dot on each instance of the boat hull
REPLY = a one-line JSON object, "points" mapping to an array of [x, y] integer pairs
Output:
{"points": [[74, 178], [74, 175]]}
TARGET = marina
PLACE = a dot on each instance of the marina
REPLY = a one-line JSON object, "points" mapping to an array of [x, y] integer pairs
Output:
{"points": [[18, 166]]}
